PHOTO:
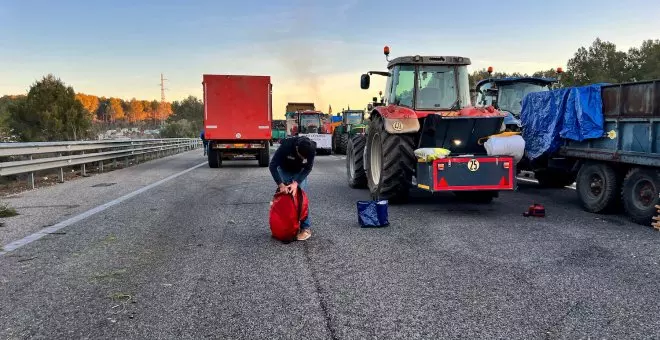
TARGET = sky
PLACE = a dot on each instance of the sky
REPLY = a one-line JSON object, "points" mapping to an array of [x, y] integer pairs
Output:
{"points": [[314, 51]]}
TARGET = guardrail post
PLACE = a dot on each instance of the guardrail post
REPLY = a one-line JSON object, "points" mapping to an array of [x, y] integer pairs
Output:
{"points": [[100, 166], [126, 162], [114, 163], [83, 169], [31, 177], [61, 171]]}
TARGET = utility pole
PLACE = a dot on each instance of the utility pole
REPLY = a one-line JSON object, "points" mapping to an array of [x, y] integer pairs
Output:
{"points": [[162, 98]]}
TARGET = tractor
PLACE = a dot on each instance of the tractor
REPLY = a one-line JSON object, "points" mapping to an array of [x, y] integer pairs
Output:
{"points": [[351, 123], [314, 125], [427, 107], [506, 94]]}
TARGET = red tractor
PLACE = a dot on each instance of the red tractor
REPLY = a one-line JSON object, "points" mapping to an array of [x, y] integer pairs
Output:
{"points": [[427, 106]]}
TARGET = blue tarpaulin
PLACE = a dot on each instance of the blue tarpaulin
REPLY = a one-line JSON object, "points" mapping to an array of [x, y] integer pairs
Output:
{"points": [[574, 113]]}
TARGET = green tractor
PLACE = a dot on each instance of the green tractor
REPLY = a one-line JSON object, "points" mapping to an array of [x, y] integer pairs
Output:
{"points": [[352, 122]]}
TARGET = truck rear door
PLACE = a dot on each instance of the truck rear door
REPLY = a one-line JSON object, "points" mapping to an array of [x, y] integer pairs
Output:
{"points": [[237, 107]]}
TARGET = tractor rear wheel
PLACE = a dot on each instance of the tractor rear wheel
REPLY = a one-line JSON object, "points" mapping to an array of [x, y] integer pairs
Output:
{"points": [[357, 177], [389, 162], [342, 143]]}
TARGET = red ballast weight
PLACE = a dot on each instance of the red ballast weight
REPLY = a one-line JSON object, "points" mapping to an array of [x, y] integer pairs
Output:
{"points": [[286, 213]]}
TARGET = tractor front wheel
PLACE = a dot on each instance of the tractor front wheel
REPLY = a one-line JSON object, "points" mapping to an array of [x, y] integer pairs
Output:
{"points": [[357, 177], [389, 162]]}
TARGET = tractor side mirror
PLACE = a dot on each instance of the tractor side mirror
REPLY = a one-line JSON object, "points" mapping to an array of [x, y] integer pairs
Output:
{"points": [[369, 107], [365, 80]]}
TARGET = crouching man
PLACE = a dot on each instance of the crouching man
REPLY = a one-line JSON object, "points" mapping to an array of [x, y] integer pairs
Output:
{"points": [[290, 166]]}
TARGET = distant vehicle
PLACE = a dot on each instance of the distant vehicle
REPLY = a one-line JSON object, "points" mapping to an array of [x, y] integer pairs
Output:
{"points": [[352, 122], [237, 117], [506, 94], [315, 126]]}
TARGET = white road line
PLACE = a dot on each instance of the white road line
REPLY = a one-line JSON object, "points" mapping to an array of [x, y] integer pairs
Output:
{"points": [[572, 186], [43, 232]]}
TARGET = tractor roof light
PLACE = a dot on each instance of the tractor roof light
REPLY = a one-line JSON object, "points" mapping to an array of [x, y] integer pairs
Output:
{"points": [[560, 70], [386, 50], [490, 69]]}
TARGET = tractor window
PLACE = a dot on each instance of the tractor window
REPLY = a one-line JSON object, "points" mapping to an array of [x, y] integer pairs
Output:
{"points": [[309, 124], [486, 95], [404, 82], [354, 118], [510, 96], [437, 88]]}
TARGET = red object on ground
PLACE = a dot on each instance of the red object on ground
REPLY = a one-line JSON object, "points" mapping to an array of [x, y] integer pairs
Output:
{"points": [[286, 213], [535, 210]]}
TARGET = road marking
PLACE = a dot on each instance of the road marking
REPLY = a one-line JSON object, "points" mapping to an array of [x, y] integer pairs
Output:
{"points": [[572, 186], [49, 230]]}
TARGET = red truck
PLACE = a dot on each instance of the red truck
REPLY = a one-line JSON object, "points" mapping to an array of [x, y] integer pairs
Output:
{"points": [[237, 117]]}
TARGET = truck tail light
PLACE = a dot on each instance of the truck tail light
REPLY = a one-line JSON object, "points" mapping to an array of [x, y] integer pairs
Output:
{"points": [[441, 166], [506, 165]]}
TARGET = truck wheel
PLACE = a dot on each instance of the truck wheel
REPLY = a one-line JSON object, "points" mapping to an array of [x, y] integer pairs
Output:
{"points": [[475, 196], [389, 162], [357, 177], [342, 143], [640, 194], [264, 157], [597, 187], [215, 158], [334, 141], [554, 178]]}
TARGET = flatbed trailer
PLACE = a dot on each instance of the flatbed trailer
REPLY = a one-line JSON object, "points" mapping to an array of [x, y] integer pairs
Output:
{"points": [[620, 168]]}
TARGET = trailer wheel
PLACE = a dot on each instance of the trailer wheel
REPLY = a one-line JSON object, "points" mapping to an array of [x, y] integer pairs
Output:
{"points": [[597, 187], [554, 179], [639, 194], [389, 162], [264, 157], [475, 196], [357, 177], [215, 157]]}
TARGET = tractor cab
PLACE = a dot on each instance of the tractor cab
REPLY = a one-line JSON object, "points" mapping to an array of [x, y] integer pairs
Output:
{"points": [[425, 83], [506, 94]]}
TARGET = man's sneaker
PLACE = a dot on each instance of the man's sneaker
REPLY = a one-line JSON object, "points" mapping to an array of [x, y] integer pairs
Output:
{"points": [[304, 234]]}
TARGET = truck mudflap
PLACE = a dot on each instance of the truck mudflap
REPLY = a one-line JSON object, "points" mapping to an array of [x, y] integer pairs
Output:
{"points": [[480, 173]]}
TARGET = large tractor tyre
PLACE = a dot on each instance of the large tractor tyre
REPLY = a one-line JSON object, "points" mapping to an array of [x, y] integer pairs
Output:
{"points": [[215, 158], [554, 178], [597, 188], [475, 196], [389, 163], [264, 157], [342, 143], [357, 177], [639, 194]]}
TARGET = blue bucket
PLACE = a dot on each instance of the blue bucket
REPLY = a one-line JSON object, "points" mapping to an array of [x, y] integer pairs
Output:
{"points": [[372, 213]]}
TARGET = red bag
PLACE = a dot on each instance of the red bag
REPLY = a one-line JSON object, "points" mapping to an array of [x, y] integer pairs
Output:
{"points": [[286, 213]]}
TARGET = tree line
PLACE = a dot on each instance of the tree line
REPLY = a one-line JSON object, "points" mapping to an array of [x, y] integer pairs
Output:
{"points": [[53, 111], [599, 63]]}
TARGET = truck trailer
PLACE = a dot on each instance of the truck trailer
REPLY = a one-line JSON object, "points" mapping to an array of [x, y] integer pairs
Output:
{"points": [[607, 137], [237, 117], [427, 105]]}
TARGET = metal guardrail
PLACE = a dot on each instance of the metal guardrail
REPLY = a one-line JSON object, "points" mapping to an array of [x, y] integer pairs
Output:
{"points": [[53, 155]]}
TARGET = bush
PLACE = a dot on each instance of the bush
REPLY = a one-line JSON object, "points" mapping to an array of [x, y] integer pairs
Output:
{"points": [[179, 129]]}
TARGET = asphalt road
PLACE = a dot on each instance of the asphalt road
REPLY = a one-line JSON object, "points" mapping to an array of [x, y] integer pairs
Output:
{"points": [[193, 258]]}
